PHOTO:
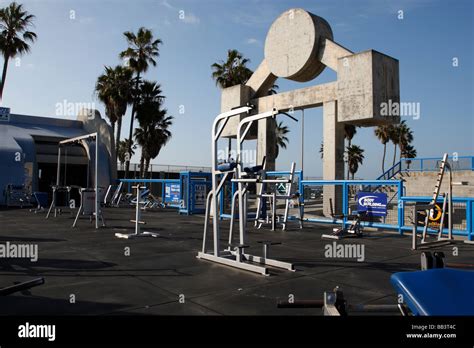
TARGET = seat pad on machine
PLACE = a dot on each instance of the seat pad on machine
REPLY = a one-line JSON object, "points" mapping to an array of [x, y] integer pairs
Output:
{"points": [[441, 291]]}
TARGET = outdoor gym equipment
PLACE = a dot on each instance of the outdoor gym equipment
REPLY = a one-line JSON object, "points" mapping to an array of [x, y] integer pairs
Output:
{"points": [[61, 199], [17, 196], [41, 199], [138, 222], [436, 260], [235, 255], [430, 209], [354, 230], [57, 188], [87, 207], [21, 286], [335, 304], [438, 289], [271, 197]]}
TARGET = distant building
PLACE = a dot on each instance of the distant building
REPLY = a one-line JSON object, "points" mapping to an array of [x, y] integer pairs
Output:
{"points": [[29, 151]]}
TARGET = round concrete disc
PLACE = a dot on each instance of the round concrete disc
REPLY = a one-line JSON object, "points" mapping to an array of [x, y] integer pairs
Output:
{"points": [[292, 45]]}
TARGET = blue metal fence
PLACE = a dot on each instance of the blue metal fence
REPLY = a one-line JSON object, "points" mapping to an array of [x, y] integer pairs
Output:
{"points": [[164, 184], [226, 196], [463, 206], [427, 164]]}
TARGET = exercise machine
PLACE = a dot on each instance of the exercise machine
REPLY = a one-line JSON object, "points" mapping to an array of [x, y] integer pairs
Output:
{"points": [[62, 199], [272, 196], [437, 260], [440, 288], [437, 291], [137, 221], [17, 196], [335, 304], [57, 188], [41, 199], [87, 206], [353, 231], [430, 209], [235, 255]]}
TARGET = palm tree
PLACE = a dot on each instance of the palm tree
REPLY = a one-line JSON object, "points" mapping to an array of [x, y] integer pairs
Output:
{"points": [[14, 35], [383, 134], [122, 151], [141, 52], [114, 89], [281, 140], [153, 132], [406, 136], [273, 90], [233, 71], [394, 135], [349, 132], [355, 157], [408, 152]]}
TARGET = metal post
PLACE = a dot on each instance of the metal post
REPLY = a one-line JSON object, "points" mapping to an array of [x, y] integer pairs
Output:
{"points": [[302, 140], [58, 171], [97, 180], [450, 205], [401, 209], [415, 226]]}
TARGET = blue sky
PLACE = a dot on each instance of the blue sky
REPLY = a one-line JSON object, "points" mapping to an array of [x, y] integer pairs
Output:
{"points": [[71, 53]]}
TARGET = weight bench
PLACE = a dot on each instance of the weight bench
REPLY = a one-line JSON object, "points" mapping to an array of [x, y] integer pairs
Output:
{"points": [[436, 292]]}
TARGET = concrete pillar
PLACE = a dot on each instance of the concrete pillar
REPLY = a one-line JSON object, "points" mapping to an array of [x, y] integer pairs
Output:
{"points": [[266, 143], [333, 159]]}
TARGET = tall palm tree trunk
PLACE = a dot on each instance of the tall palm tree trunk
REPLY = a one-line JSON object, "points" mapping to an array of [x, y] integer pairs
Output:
{"points": [[142, 164], [112, 124], [383, 158], [394, 154], [349, 143], [117, 137], [130, 134], [4, 74], [147, 165]]}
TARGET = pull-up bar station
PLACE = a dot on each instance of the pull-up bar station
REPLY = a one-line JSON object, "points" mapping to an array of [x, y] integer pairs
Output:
{"points": [[95, 212], [235, 255]]}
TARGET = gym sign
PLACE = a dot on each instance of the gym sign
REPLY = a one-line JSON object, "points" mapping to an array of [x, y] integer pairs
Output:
{"points": [[375, 204], [4, 114]]}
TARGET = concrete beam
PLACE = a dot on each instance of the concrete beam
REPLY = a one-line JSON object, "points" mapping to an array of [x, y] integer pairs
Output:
{"points": [[299, 98], [331, 52], [261, 80]]}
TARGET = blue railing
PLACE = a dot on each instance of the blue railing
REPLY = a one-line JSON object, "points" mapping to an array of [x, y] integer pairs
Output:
{"points": [[172, 203], [427, 164], [233, 185], [468, 202], [461, 204], [365, 185]]}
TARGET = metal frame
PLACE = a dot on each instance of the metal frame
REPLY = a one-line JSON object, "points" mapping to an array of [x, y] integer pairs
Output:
{"points": [[237, 257], [448, 199], [58, 171], [138, 222], [273, 199]]}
